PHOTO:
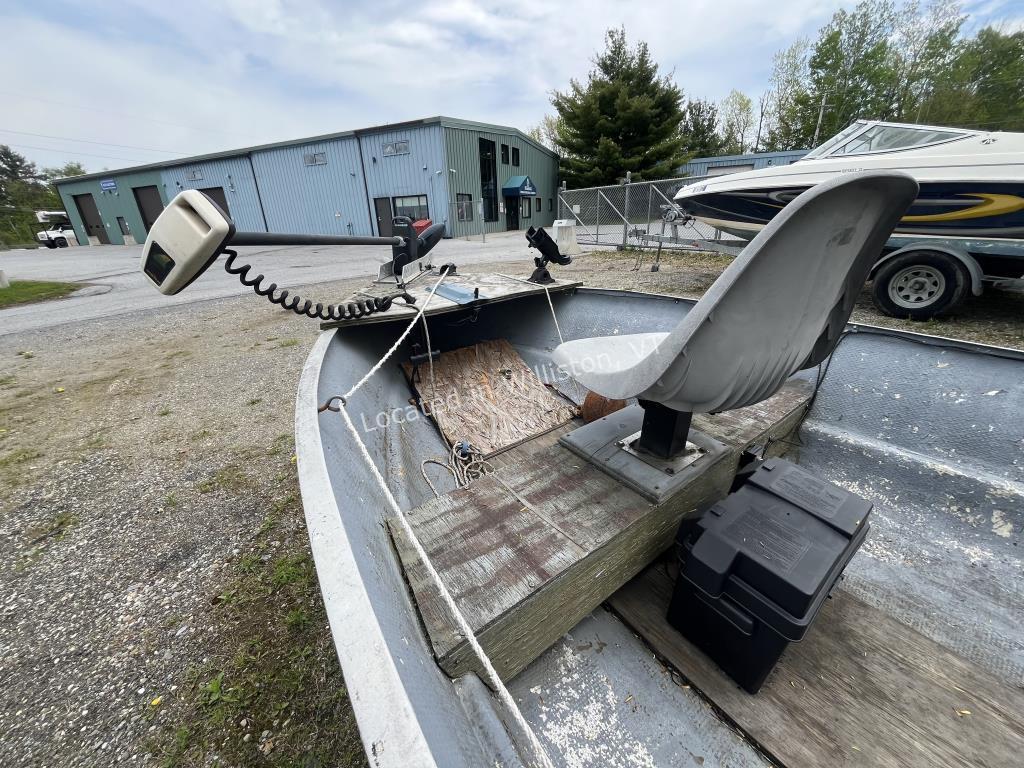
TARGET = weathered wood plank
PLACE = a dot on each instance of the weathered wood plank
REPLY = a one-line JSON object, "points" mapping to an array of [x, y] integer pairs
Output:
{"points": [[528, 551], [487, 395], [861, 689]]}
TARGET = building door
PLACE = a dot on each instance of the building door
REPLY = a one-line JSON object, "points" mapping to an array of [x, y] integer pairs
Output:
{"points": [[382, 207], [126, 232], [511, 213], [217, 195], [90, 214], [150, 205]]}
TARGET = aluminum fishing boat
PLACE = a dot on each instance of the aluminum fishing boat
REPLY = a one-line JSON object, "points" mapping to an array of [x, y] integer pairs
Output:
{"points": [[972, 182], [494, 468]]}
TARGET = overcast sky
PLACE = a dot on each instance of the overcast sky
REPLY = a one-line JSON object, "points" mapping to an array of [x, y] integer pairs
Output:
{"points": [[168, 78]]}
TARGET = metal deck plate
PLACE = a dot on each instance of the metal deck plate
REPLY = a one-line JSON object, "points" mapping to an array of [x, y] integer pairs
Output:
{"points": [[606, 443]]}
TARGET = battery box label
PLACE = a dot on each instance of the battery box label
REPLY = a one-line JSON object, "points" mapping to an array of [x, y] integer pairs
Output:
{"points": [[810, 493], [769, 538]]}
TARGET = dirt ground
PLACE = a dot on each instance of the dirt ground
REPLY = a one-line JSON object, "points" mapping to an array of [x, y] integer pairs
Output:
{"points": [[157, 595]]}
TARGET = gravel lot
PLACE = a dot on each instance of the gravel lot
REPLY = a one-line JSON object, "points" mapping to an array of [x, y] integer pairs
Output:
{"points": [[157, 595]]}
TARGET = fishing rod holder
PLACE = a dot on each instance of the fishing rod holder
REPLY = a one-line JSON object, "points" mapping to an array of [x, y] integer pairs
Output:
{"points": [[541, 240]]}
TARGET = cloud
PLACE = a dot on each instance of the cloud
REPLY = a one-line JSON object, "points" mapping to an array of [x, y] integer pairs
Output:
{"points": [[196, 76]]}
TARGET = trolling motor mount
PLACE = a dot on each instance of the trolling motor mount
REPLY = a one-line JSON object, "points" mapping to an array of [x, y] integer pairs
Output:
{"points": [[541, 240]]}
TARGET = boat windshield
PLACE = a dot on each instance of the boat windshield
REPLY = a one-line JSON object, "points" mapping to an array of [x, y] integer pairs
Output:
{"points": [[858, 140], [843, 135]]}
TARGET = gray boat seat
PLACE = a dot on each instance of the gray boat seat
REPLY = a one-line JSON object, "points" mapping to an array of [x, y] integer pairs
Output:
{"points": [[779, 307]]}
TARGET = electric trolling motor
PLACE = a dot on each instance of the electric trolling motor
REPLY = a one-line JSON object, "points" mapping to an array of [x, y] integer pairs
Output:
{"points": [[193, 231]]}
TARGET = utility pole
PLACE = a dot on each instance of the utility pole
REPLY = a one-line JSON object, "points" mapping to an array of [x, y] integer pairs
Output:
{"points": [[821, 114]]}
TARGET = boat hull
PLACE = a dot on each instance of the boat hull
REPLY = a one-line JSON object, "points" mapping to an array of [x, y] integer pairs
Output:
{"points": [[989, 210], [914, 423]]}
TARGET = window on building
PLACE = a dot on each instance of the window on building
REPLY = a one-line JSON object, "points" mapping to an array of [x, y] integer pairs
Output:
{"points": [[392, 148], [194, 175], [515, 156], [504, 154], [525, 206], [315, 158], [413, 206], [463, 206], [489, 179]]}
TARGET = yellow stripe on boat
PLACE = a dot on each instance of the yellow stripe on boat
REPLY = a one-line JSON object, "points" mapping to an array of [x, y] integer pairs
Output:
{"points": [[990, 205]]}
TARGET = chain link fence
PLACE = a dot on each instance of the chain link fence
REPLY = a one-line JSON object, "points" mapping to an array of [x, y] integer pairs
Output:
{"points": [[639, 215]]}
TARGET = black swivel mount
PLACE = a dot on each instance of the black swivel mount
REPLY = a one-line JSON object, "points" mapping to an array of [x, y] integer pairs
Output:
{"points": [[541, 240]]}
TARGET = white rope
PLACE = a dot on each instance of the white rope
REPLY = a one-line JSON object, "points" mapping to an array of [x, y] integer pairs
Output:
{"points": [[579, 387], [540, 754], [550, 303], [397, 344], [433, 387]]}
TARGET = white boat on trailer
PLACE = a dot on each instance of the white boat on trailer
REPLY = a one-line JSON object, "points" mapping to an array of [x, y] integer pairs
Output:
{"points": [[964, 231], [507, 605]]}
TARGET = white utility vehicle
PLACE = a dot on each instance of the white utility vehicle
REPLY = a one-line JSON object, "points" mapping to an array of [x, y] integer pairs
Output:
{"points": [[57, 236]]}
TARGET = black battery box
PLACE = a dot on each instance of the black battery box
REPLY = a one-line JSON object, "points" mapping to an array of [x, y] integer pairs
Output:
{"points": [[755, 569]]}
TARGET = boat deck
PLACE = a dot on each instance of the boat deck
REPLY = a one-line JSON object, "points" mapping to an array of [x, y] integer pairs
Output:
{"points": [[530, 551]]}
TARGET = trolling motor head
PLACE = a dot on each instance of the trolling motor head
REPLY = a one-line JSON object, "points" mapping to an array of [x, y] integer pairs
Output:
{"points": [[184, 241], [541, 240]]}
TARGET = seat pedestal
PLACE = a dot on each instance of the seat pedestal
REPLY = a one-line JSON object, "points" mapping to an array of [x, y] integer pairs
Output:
{"points": [[664, 430], [646, 450]]}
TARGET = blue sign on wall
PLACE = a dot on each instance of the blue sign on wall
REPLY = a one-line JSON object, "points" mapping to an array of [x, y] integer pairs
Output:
{"points": [[108, 185]]}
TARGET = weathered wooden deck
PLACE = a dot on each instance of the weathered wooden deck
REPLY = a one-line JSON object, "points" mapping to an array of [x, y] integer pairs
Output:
{"points": [[861, 689], [531, 549]]}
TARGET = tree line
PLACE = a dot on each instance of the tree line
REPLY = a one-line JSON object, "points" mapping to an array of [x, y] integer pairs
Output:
{"points": [[907, 62], [24, 189]]}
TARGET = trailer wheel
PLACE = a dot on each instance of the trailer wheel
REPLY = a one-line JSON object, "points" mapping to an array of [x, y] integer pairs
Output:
{"points": [[920, 285], [62, 242]]}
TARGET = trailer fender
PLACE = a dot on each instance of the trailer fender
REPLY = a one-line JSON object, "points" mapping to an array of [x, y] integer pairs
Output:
{"points": [[969, 262]]}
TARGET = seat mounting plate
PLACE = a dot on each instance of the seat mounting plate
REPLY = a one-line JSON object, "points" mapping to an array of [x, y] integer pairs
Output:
{"points": [[607, 444]]}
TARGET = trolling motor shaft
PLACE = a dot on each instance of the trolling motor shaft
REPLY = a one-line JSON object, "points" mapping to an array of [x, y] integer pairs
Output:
{"points": [[193, 231]]}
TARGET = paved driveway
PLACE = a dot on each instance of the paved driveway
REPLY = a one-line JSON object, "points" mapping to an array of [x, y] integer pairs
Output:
{"points": [[116, 286]]}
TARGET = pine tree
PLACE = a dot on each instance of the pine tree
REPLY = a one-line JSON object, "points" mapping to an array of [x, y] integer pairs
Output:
{"points": [[625, 118], [700, 129]]}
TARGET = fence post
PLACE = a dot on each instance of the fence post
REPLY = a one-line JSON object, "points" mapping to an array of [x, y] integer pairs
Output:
{"points": [[598, 237], [625, 209]]}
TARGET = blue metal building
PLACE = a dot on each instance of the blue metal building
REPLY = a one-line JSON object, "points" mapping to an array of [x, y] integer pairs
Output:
{"points": [[472, 176], [717, 166]]}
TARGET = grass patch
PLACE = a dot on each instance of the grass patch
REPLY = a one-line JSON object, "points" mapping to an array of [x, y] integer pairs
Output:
{"points": [[7, 381], [54, 528], [229, 478], [263, 697], [30, 291], [288, 343], [18, 457]]}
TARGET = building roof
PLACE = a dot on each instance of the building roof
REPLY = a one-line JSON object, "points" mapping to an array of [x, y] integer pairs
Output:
{"points": [[447, 122], [748, 156]]}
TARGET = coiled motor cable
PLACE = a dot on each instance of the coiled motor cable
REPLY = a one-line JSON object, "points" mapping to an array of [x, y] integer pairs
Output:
{"points": [[304, 307]]}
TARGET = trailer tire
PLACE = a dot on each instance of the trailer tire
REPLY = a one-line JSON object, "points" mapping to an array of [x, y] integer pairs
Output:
{"points": [[62, 242], [920, 285]]}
